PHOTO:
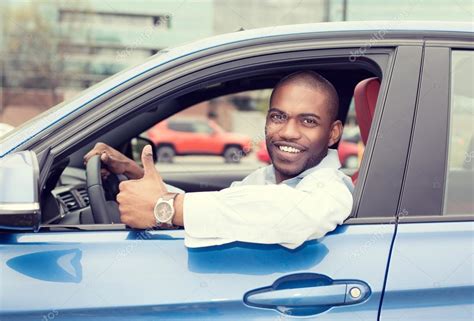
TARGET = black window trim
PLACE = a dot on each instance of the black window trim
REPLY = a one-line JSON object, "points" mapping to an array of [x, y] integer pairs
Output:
{"points": [[423, 182], [388, 144]]}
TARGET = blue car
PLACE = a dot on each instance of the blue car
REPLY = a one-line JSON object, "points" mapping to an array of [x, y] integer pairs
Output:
{"points": [[405, 253]]}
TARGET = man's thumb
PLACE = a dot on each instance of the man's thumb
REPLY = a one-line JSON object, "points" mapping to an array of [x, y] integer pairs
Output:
{"points": [[147, 161]]}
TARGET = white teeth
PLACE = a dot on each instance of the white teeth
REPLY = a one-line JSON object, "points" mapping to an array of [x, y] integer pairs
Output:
{"points": [[289, 149]]}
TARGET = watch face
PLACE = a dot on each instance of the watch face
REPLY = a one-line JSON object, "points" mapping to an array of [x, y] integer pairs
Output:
{"points": [[163, 212]]}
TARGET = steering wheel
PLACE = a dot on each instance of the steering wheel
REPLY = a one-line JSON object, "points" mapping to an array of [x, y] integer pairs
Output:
{"points": [[103, 211]]}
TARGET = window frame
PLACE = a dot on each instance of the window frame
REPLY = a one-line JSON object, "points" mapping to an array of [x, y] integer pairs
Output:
{"points": [[388, 144], [427, 134], [137, 105]]}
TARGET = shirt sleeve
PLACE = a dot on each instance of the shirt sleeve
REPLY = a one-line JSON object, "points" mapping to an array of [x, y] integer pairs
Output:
{"points": [[268, 214], [173, 189]]}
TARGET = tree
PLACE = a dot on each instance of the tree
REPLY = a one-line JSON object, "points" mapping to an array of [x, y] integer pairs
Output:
{"points": [[36, 43], [31, 50]]}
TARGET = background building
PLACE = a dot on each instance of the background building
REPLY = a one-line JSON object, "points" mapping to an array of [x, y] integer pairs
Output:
{"points": [[232, 15], [52, 49]]}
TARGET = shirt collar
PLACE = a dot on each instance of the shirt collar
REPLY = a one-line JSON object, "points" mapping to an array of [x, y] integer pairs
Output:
{"points": [[331, 160]]}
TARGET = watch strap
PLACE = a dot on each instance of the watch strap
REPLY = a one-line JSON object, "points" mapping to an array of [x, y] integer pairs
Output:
{"points": [[169, 196]]}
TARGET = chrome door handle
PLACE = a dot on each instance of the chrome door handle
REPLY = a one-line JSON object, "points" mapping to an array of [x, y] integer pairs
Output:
{"points": [[337, 294], [308, 291]]}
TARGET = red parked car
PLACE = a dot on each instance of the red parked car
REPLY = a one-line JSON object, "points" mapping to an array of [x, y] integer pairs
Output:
{"points": [[197, 137], [348, 154]]}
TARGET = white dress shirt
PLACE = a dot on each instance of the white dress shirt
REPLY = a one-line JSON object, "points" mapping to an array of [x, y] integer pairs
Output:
{"points": [[258, 210]]}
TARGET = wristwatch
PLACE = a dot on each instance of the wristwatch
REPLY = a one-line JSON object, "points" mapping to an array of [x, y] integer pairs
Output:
{"points": [[164, 210]]}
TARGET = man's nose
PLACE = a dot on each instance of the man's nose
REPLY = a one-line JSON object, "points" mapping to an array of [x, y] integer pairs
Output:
{"points": [[290, 130]]}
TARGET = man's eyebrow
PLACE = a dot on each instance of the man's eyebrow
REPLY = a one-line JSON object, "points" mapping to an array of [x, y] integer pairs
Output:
{"points": [[274, 109], [309, 115]]}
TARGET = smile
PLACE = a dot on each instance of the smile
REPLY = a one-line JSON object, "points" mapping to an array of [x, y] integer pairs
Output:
{"points": [[289, 149]]}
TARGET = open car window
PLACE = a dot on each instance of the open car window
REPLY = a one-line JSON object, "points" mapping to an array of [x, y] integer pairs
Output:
{"points": [[228, 133], [210, 135]]}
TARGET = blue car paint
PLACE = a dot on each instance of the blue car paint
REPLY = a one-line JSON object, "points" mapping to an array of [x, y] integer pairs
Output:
{"points": [[124, 275], [431, 273], [46, 265]]}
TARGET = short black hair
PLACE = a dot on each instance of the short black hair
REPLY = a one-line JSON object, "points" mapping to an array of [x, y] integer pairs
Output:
{"points": [[314, 81]]}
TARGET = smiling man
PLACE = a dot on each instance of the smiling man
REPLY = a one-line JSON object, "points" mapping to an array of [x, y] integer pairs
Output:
{"points": [[301, 123], [301, 196]]}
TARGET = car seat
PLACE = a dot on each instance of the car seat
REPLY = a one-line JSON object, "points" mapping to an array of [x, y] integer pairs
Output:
{"points": [[365, 100]]}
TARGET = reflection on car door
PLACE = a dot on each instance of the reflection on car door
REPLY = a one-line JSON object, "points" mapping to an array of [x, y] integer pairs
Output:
{"points": [[152, 275]]}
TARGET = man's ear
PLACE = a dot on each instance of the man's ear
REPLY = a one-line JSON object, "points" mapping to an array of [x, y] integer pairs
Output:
{"points": [[336, 132]]}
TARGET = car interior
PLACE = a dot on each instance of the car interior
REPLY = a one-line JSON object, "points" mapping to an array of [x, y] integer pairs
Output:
{"points": [[66, 199]]}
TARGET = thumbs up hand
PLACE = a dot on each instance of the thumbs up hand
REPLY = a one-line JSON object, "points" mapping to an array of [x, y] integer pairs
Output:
{"points": [[137, 198]]}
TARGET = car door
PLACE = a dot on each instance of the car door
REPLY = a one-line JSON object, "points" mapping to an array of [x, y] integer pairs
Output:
{"points": [[181, 135], [107, 272], [203, 141], [431, 267]]}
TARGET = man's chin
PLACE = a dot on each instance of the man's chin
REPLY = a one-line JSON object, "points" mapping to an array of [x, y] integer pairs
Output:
{"points": [[288, 171]]}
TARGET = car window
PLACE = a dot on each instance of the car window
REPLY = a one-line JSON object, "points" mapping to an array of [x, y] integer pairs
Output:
{"points": [[237, 123], [459, 192], [203, 128], [181, 126]]}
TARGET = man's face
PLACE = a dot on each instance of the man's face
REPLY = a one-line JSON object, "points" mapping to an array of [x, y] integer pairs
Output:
{"points": [[299, 129]]}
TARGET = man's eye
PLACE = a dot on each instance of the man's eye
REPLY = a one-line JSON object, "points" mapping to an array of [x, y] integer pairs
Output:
{"points": [[310, 122], [277, 117]]}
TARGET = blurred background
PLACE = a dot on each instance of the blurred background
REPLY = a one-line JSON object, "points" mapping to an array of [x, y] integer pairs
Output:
{"points": [[52, 49]]}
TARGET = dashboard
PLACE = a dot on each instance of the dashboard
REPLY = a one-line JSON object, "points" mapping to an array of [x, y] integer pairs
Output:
{"points": [[68, 202]]}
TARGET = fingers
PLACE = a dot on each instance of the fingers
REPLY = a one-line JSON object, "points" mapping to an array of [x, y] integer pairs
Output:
{"points": [[147, 161], [98, 149], [87, 157], [104, 157]]}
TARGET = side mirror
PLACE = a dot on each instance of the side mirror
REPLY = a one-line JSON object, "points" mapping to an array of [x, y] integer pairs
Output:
{"points": [[19, 192], [137, 146]]}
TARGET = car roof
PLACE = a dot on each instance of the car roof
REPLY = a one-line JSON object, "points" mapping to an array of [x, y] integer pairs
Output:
{"points": [[346, 27], [51, 117]]}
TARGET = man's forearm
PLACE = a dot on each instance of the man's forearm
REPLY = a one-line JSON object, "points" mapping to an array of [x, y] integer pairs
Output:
{"points": [[266, 214]]}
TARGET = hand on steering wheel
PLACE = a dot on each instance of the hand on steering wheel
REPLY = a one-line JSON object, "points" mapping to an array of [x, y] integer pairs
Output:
{"points": [[103, 211]]}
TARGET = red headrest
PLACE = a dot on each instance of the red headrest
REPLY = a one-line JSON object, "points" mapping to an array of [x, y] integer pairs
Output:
{"points": [[365, 99]]}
